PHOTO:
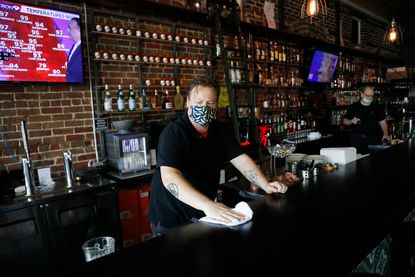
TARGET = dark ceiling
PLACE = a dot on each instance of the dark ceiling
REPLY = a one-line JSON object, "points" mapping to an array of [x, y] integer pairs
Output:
{"points": [[387, 9]]}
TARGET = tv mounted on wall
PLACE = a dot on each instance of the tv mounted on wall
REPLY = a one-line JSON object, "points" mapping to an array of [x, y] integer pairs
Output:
{"points": [[39, 44], [322, 67]]}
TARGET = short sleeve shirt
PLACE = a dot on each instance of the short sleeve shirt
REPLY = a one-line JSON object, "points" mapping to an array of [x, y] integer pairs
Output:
{"points": [[370, 116], [199, 159]]}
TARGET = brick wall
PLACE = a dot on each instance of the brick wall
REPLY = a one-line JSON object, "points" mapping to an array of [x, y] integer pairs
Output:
{"points": [[59, 117]]}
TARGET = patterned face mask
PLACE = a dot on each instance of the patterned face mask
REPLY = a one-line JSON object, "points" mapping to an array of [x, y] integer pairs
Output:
{"points": [[202, 115]]}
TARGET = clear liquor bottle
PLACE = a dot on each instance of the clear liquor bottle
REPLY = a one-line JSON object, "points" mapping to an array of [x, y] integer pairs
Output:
{"points": [[107, 100], [132, 106], [146, 100], [120, 99]]}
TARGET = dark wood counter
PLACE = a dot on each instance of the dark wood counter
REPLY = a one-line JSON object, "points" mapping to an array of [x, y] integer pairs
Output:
{"points": [[323, 227]]}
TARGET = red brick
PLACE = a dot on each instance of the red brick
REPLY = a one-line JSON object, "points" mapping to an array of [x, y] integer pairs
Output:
{"points": [[75, 137], [51, 110], [28, 112], [62, 117]]}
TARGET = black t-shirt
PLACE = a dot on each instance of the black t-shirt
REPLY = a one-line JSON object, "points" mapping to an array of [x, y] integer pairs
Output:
{"points": [[369, 116], [199, 160]]}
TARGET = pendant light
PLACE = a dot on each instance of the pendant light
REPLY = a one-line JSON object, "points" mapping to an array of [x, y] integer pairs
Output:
{"points": [[311, 8], [393, 35]]}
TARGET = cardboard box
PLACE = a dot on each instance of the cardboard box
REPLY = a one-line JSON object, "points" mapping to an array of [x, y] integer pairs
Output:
{"points": [[129, 217], [131, 231], [128, 203], [143, 199], [397, 73]]}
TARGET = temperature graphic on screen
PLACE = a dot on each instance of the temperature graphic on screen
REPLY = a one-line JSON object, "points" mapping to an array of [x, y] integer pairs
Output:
{"points": [[38, 44]]}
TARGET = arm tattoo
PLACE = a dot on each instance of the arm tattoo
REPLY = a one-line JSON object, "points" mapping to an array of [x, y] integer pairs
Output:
{"points": [[173, 189], [252, 177]]}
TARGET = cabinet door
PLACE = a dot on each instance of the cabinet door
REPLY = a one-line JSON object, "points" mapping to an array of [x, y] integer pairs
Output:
{"points": [[23, 248], [75, 220]]}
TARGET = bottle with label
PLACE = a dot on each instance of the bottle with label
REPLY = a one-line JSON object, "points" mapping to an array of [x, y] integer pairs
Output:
{"points": [[178, 99], [167, 103], [107, 100], [120, 99], [146, 100], [158, 100], [131, 99]]}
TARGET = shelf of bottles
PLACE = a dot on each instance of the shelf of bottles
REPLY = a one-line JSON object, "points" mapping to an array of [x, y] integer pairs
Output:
{"points": [[144, 100], [295, 126], [195, 39], [269, 63], [156, 51]]}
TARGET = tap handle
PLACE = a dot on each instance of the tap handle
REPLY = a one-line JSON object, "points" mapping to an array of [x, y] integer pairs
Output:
{"points": [[28, 176], [67, 160], [25, 138]]}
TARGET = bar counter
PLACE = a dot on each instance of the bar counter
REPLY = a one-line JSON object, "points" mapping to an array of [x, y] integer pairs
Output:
{"points": [[323, 227]]}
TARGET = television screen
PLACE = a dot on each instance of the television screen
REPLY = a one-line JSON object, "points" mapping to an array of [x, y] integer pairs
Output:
{"points": [[39, 44], [322, 67]]}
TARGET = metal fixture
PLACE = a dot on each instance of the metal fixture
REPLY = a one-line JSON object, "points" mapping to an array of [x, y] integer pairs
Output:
{"points": [[311, 8], [28, 177], [393, 34], [27, 162], [67, 161]]}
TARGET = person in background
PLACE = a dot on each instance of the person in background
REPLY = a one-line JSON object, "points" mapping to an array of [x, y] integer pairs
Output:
{"points": [[366, 119], [74, 72], [191, 152]]}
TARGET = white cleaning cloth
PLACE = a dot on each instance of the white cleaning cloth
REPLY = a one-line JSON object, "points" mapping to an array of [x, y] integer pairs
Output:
{"points": [[242, 207]]}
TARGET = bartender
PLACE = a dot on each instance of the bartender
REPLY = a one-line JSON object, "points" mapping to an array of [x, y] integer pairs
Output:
{"points": [[367, 122]]}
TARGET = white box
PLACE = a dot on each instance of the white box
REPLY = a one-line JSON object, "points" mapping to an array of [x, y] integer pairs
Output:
{"points": [[340, 155]]}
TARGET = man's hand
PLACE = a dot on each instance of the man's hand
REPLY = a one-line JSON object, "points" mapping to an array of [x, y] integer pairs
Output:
{"points": [[356, 120], [275, 187], [223, 213]]}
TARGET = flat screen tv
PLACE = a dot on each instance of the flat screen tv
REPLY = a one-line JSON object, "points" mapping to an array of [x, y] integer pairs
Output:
{"points": [[322, 67], [39, 44]]}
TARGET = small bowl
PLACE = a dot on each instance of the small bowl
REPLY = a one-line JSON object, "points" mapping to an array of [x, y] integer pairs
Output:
{"points": [[123, 126], [328, 167]]}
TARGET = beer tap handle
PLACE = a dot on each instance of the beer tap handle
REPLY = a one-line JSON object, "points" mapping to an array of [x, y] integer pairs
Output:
{"points": [[25, 138]]}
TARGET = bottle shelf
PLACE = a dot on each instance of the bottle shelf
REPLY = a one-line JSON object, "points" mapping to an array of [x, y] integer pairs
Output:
{"points": [[142, 111]]}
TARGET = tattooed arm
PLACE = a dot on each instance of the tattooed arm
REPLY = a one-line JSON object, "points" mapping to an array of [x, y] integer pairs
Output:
{"points": [[251, 171], [182, 189]]}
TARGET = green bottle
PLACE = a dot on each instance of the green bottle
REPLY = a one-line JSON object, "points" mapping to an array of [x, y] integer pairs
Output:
{"points": [[131, 99], [120, 99]]}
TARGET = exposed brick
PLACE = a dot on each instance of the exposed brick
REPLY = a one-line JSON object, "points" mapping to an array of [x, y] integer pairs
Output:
{"points": [[75, 137], [28, 112], [27, 96], [62, 117], [53, 110]]}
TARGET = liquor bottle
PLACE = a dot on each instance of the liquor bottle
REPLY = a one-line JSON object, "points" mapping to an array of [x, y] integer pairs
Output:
{"points": [[178, 99], [120, 99], [146, 100], [153, 100], [131, 99], [157, 99], [107, 100], [232, 74], [167, 103]]}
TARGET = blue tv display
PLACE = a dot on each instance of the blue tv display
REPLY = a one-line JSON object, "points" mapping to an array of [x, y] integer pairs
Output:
{"points": [[322, 67]]}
